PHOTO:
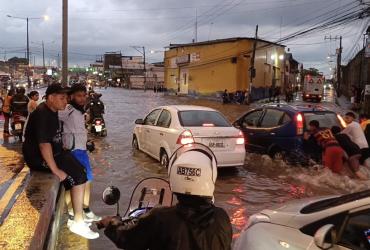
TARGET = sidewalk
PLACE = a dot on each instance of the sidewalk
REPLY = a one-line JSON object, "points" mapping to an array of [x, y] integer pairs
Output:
{"points": [[27, 201]]}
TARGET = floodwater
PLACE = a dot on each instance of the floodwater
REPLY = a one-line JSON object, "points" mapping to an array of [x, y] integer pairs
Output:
{"points": [[260, 184]]}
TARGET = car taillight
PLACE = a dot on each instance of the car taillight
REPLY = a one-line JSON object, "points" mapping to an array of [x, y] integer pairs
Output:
{"points": [[299, 121], [240, 140], [98, 122], [342, 122], [186, 137]]}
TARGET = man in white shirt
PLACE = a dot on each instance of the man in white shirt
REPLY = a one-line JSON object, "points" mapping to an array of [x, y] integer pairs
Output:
{"points": [[75, 139], [355, 132]]}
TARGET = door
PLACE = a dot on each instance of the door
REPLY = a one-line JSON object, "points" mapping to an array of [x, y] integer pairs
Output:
{"points": [[146, 140], [161, 133], [249, 124], [272, 132], [356, 231], [184, 81]]}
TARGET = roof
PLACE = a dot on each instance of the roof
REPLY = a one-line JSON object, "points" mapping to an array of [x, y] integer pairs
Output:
{"points": [[226, 40], [298, 108], [187, 107]]}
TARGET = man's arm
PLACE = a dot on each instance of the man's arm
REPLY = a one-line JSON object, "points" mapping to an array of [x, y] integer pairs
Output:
{"points": [[47, 155], [131, 234]]}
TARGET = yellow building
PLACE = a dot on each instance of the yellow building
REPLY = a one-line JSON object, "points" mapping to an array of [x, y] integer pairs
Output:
{"points": [[210, 67]]}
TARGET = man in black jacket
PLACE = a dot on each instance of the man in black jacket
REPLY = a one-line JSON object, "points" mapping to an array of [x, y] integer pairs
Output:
{"points": [[193, 224]]}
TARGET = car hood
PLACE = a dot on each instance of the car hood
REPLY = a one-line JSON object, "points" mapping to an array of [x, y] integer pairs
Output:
{"points": [[286, 213]]}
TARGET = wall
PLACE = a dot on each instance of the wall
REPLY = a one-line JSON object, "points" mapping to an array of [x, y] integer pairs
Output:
{"points": [[215, 67], [356, 72]]}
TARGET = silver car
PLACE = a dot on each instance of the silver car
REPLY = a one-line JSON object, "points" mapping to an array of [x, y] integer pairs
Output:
{"points": [[333, 222]]}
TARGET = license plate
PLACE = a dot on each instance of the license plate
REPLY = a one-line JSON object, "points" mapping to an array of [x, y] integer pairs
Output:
{"points": [[98, 128], [18, 126], [216, 144]]}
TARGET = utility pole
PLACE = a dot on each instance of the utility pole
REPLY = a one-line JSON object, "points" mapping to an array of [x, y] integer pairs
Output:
{"points": [[144, 68], [252, 70], [28, 57], [339, 61], [65, 44], [196, 25], [43, 57]]}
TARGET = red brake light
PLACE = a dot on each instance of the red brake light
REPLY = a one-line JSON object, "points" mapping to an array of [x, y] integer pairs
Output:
{"points": [[186, 137], [240, 140], [299, 120], [208, 125], [98, 122]]}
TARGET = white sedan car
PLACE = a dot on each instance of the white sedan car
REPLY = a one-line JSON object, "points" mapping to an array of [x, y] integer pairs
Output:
{"points": [[335, 222], [167, 128]]}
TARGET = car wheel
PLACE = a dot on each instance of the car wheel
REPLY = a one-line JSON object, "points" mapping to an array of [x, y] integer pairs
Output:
{"points": [[135, 143], [164, 160]]}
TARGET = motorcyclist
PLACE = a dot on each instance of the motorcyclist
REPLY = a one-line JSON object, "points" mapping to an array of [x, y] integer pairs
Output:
{"points": [[195, 223], [19, 103], [95, 106]]}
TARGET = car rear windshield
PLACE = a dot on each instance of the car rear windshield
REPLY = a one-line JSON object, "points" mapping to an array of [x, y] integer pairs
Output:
{"points": [[326, 119], [333, 202], [201, 118]]}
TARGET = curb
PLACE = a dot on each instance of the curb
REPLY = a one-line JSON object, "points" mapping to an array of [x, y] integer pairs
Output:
{"points": [[27, 223], [52, 237]]}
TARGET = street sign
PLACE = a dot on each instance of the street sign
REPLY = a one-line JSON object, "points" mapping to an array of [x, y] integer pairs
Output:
{"points": [[367, 89]]}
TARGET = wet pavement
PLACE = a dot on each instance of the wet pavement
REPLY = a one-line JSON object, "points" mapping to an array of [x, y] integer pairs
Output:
{"points": [[260, 184]]}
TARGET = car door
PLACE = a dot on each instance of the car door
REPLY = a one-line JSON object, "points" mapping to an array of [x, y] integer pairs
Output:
{"points": [[160, 135], [271, 125], [356, 231], [249, 124], [146, 140]]}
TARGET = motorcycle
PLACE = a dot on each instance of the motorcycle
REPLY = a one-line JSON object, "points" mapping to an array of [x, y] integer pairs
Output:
{"points": [[148, 194], [96, 108], [98, 127], [17, 124]]}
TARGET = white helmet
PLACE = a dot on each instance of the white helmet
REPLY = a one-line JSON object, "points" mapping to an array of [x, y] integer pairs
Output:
{"points": [[193, 170]]}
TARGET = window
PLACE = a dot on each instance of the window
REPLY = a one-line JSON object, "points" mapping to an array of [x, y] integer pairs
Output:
{"points": [[200, 118], [251, 119], [152, 117], [164, 119], [326, 120], [356, 233], [272, 118], [337, 220], [286, 119]]}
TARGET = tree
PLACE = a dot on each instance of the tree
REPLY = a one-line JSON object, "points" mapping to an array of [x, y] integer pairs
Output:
{"points": [[311, 71]]}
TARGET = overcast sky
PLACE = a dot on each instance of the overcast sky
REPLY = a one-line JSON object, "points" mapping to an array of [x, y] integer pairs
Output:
{"points": [[98, 26]]}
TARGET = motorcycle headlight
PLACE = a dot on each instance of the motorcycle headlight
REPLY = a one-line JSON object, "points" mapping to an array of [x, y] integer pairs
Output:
{"points": [[257, 218]]}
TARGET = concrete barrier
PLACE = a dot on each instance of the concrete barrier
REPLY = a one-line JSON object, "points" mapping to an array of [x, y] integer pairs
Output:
{"points": [[27, 224]]}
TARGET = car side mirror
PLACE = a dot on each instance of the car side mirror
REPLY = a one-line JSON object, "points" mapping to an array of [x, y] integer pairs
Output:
{"points": [[139, 121], [325, 237], [111, 195], [236, 124]]}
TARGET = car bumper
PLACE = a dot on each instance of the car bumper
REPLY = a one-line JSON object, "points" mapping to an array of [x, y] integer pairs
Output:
{"points": [[231, 158]]}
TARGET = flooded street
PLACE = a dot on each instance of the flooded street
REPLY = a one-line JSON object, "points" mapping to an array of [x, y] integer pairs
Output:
{"points": [[260, 184]]}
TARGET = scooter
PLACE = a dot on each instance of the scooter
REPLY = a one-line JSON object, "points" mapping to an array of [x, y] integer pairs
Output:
{"points": [[17, 124], [148, 193], [98, 127], [96, 108]]}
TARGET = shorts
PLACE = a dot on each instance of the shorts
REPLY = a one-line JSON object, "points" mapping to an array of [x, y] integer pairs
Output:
{"points": [[83, 158], [365, 153], [66, 162], [333, 158]]}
